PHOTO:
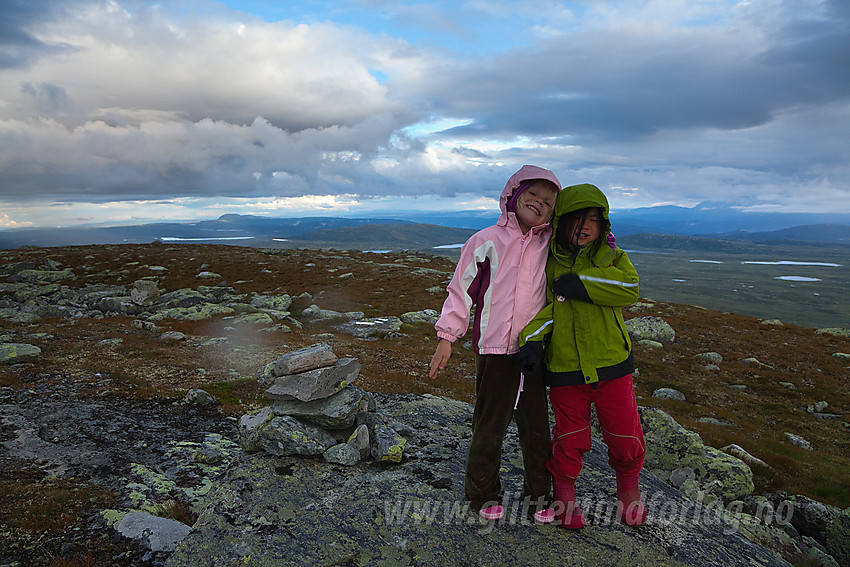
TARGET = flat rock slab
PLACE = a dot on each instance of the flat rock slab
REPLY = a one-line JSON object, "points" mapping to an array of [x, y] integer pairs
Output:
{"points": [[315, 384]]}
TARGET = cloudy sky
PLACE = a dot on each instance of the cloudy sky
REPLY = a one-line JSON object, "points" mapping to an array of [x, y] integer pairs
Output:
{"points": [[128, 111]]}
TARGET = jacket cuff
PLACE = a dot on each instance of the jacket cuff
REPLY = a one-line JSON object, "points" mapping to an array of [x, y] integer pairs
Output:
{"points": [[446, 336]]}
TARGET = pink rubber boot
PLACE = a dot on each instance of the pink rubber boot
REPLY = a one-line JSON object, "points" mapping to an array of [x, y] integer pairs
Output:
{"points": [[570, 516], [630, 508]]}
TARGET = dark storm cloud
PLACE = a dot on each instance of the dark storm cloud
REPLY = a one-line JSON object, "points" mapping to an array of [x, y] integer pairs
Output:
{"points": [[18, 46], [607, 84]]}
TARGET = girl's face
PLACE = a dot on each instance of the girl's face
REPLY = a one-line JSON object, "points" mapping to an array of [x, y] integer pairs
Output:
{"points": [[588, 230], [534, 207]]}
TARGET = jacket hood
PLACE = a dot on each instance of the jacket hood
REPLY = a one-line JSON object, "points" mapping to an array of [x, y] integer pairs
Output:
{"points": [[524, 173], [575, 198]]}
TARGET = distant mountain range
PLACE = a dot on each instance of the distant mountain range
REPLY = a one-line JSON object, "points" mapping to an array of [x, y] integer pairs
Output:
{"points": [[424, 231]]}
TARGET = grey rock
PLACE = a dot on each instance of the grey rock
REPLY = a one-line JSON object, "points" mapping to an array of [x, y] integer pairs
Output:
{"points": [[252, 319], [752, 361], [143, 325], [342, 454], [741, 453], [669, 446], [811, 517], [652, 328], [838, 537], [315, 384], [41, 277], [250, 426], [710, 357], [285, 435], [429, 316], [360, 440], [198, 312], [311, 357], [184, 298], [272, 302], [155, 533], [144, 293], [668, 394], [197, 397], [172, 336], [387, 445], [315, 314], [16, 353], [835, 331], [680, 475], [207, 275], [798, 441], [715, 421], [365, 328], [338, 411]]}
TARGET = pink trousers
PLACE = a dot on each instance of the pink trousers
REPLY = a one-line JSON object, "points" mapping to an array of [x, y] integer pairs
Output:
{"points": [[616, 408]]}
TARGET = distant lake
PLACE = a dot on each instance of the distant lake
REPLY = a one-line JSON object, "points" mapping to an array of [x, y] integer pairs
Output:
{"points": [[176, 239], [791, 263]]}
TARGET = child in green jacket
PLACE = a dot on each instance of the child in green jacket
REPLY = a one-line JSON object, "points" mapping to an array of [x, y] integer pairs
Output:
{"points": [[588, 356]]}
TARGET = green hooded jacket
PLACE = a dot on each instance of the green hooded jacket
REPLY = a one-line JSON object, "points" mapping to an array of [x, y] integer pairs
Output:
{"points": [[584, 332]]}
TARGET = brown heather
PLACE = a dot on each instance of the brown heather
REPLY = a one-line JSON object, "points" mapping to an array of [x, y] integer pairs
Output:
{"points": [[143, 366]]}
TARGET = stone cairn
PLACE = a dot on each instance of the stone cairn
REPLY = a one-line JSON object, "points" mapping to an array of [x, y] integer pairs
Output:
{"points": [[316, 411]]}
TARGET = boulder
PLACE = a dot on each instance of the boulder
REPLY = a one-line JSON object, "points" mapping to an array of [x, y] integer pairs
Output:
{"points": [[668, 394], [144, 293], [338, 411], [838, 537], [286, 435], [16, 353], [652, 328], [669, 446]]}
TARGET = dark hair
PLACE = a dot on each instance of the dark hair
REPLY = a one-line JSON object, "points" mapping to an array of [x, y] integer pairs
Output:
{"points": [[570, 224]]}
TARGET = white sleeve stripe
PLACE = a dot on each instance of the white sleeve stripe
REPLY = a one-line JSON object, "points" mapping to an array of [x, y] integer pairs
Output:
{"points": [[602, 280], [538, 331]]}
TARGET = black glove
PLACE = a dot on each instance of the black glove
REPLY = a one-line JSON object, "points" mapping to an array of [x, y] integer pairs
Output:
{"points": [[570, 286], [530, 357]]}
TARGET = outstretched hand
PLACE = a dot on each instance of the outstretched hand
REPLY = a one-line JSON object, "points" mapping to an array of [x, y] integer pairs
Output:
{"points": [[440, 358]]}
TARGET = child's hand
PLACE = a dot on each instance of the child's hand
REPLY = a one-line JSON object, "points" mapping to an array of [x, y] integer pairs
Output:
{"points": [[441, 357], [530, 357]]}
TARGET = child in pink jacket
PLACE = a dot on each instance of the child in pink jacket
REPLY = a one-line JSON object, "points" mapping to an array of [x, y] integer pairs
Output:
{"points": [[501, 273]]}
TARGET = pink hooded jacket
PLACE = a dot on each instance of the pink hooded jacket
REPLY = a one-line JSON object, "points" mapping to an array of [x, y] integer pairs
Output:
{"points": [[501, 272]]}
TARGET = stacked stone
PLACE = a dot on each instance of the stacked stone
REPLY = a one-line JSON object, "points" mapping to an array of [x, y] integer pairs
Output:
{"points": [[317, 411]]}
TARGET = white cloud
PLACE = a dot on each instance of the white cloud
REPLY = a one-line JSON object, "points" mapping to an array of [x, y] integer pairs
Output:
{"points": [[663, 101]]}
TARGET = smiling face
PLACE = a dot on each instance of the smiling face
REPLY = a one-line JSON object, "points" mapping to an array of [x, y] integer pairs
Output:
{"points": [[580, 227], [588, 228], [534, 207]]}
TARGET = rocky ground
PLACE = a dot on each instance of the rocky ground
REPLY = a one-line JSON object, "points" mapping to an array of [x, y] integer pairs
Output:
{"points": [[106, 393]]}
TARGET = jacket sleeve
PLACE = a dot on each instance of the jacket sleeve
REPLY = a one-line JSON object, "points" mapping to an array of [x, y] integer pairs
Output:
{"points": [[539, 327], [613, 286], [454, 318]]}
